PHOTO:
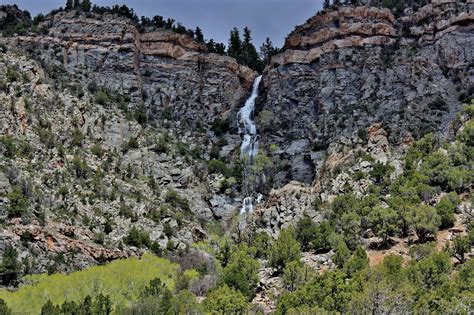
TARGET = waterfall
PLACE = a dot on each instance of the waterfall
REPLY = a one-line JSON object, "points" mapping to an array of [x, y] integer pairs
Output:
{"points": [[247, 128], [249, 146]]}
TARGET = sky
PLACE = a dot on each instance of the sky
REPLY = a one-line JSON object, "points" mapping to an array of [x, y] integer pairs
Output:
{"points": [[266, 18]]}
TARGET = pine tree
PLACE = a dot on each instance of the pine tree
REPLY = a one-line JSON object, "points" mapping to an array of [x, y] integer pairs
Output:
{"points": [[198, 35], [249, 53], [267, 51], [69, 4], [86, 5], [10, 268], [326, 4], [235, 44]]}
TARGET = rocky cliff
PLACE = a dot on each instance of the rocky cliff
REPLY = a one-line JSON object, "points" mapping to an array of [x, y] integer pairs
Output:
{"points": [[106, 127], [357, 79], [158, 68]]}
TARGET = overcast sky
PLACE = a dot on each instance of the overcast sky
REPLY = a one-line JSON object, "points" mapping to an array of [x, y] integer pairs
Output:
{"points": [[272, 18]]}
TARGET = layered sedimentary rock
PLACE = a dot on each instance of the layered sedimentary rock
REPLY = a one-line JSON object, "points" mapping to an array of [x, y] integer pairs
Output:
{"points": [[348, 68], [160, 68]]}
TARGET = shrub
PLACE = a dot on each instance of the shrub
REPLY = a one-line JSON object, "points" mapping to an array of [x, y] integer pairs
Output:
{"points": [[220, 126], [4, 309], [384, 222], [141, 115], [241, 272], [262, 243], [101, 97], [305, 232], [357, 262], [137, 238], [225, 300], [461, 246], [173, 198], [445, 209], [97, 150], [9, 268], [322, 236], [425, 221], [217, 166], [161, 145], [133, 143], [9, 146], [293, 275], [127, 212], [284, 250], [80, 167], [19, 203], [77, 137], [46, 137]]}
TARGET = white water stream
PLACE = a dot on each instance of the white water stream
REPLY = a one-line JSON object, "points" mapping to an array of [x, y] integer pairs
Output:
{"points": [[247, 128], [249, 146]]}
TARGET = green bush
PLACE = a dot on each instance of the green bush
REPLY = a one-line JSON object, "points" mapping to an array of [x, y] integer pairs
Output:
{"points": [[97, 150], [46, 137], [101, 97], [77, 137], [284, 250], [161, 145], [133, 143], [425, 221], [175, 200], [19, 203], [10, 268], [225, 300], [15, 148], [445, 209], [220, 126], [217, 166], [241, 272], [137, 238], [305, 232], [80, 167]]}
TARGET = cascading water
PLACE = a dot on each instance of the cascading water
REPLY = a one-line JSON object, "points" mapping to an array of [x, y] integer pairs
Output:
{"points": [[247, 127], [249, 146]]}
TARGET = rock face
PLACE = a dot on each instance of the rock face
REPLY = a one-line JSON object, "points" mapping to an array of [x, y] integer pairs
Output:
{"points": [[348, 69], [166, 71]]}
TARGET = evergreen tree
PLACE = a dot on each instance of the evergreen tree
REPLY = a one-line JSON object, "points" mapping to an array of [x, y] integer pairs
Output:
{"points": [[4, 309], [102, 305], [326, 4], [358, 261], [10, 268], [284, 250], [50, 309], [198, 35], [305, 231], [225, 300], [383, 222], [241, 272], [461, 246], [86, 5], [425, 221], [235, 44], [342, 253], [158, 21], [249, 55], [267, 51], [69, 4]]}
